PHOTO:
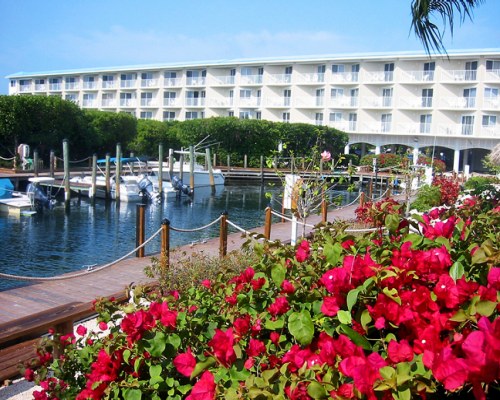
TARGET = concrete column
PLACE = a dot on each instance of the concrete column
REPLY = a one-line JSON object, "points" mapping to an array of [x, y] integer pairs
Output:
{"points": [[377, 149], [456, 160], [347, 148], [415, 155]]}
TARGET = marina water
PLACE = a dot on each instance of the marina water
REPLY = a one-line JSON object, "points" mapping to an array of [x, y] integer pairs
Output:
{"points": [[60, 241]]}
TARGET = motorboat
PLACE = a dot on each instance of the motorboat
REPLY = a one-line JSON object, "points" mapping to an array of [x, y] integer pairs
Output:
{"points": [[37, 197]]}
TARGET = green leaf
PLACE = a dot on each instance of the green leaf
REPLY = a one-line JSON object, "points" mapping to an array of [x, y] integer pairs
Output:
{"points": [[460, 316], [202, 366], [316, 390], [156, 345], [344, 317], [301, 327], [485, 307], [332, 253], [392, 294], [392, 222], [366, 318], [404, 394], [403, 373], [274, 325], [479, 257], [352, 297], [358, 339], [278, 273], [131, 394], [457, 271]]}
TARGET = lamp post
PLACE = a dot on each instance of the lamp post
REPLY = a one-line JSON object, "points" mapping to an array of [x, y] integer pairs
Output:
{"points": [[375, 169]]}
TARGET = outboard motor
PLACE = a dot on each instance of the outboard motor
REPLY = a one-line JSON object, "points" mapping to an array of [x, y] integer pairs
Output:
{"points": [[179, 186], [146, 189], [39, 198]]}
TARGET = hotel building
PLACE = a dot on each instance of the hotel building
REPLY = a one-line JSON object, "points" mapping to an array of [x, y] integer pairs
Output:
{"points": [[449, 103]]}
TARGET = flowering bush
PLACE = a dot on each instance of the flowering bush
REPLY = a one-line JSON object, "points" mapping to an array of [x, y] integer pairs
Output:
{"points": [[437, 164], [449, 188], [407, 312], [375, 214]]}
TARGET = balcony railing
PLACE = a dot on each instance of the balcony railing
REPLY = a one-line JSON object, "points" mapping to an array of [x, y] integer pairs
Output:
{"points": [[108, 84], [89, 85], [128, 83], [89, 103], [71, 86], [41, 87], [171, 102], [489, 131], [377, 101], [415, 128], [377, 127], [343, 102], [196, 81], [251, 79], [108, 103], [311, 78], [307, 102], [415, 102], [345, 77], [169, 82], [25, 88], [458, 75], [55, 86], [417, 76], [148, 103], [278, 102], [280, 79], [458, 102], [492, 75], [149, 82], [128, 103], [346, 126], [224, 80], [456, 129], [194, 102], [379, 77], [249, 102], [491, 103], [220, 102]]}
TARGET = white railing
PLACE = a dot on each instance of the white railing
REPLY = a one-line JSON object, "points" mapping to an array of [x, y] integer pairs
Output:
{"points": [[25, 88], [251, 79], [312, 102], [345, 101], [377, 101], [149, 82], [492, 75], [378, 77], [458, 75], [311, 78], [40, 87], [345, 77], [249, 102], [128, 103], [194, 102], [89, 103], [108, 84], [417, 76], [377, 127], [89, 85], [169, 82], [196, 81], [128, 83], [220, 102], [55, 86], [280, 78], [148, 103], [346, 126], [71, 86], [172, 102], [279, 102], [492, 103], [457, 102], [456, 129], [415, 128], [415, 102], [224, 80], [489, 131], [108, 103]]}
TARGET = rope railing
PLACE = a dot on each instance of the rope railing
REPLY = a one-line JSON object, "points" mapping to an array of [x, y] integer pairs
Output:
{"points": [[197, 229], [7, 159]]}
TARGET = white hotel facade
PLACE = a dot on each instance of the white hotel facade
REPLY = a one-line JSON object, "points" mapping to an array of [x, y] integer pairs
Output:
{"points": [[450, 103]]}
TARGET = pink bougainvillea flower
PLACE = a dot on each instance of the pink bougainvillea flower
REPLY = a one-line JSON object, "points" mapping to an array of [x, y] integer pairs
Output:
{"points": [[337, 280], [440, 228], [446, 291], [299, 392], [330, 306], [162, 312], [256, 348], [206, 283], [494, 278], [185, 363], [103, 326], [279, 306], [345, 391], [303, 251], [287, 287], [29, 374], [81, 330], [204, 389], [258, 283], [399, 352], [232, 300], [274, 337], [135, 324], [241, 326], [364, 371], [326, 156], [222, 346], [447, 368]]}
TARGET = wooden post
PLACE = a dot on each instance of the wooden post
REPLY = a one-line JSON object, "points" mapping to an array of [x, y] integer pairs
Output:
{"points": [[324, 207], [245, 161], [228, 163], [171, 162], [267, 225], [93, 188], [362, 199], [160, 169], [107, 176], [51, 162], [35, 162], [261, 170], [214, 163], [118, 170], [165, 245], [292, 165], [181, 167], [210, 170], [191, 167], [62, 328], [140, 230], [321, 167], [370, 189], [67, 193], [223, 235]]}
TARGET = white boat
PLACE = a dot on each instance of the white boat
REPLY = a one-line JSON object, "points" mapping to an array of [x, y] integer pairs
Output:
{"points": [[36, 198]]}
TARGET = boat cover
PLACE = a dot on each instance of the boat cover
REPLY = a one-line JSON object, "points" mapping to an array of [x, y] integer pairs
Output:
{"points": [[6, 188]]}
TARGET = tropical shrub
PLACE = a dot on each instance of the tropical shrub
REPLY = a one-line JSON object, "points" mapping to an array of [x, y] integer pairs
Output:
{"points": [[374, 214], [480, 184], [438, 165], [428, 196], [396, 314], [449, 188], [383, 160]]}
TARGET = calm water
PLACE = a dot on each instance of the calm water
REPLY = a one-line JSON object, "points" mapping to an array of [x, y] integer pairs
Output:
{"points": [[61, 241]]}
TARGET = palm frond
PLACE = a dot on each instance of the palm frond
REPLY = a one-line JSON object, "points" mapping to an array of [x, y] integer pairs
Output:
{"points": [[427, 31]]}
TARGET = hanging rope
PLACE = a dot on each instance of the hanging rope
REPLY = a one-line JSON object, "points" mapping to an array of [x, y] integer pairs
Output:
{"points": [[248, 233], [7, 159], [197, 229], [77, 274]]}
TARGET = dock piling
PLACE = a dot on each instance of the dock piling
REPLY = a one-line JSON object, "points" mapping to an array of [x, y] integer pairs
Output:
{"points": [[118, 171], [210, 170], [261, 170], [51, 162], [160, 169], [324, 207], [93, 187], [67, 194], [223, 235], [165, 245], [268, 222], [170, 163], [191, 167], [107, 176], [140, 230]]}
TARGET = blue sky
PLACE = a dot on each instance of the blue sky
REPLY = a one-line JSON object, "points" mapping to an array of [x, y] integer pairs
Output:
{"points": [[48, 35]]}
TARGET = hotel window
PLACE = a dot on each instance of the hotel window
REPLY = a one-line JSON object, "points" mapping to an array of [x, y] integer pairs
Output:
{"points": [[71, 83], [260, 73], [169, 98], [55, 83], [231, 97], [191, 115], [354, 97], [71, 97], [318, 118], [320, 95], [247, 114], [126, 100], [287, 95], [168, 115], [39, 84], [147, 99], [232, 75], [427, 95], [89, 100], [108, 81], [337, 93], [355, 72], [89, 82], [470, 97], [25, 85], [12, 83], [429, 68], [288, 74], [230, 114], [470, 70], [128, 80], [285, 117], [170, 78], [467, 125], [146, 115], [353, 122], [194, 98], [389, 72], [335, 117], [386, 121], [258, 115], [108, 99], [425, 123], [387, 97], [147, 79], [489, 120], [338, 69], [493, 67], [321, 73], [196, 77], [491, 94]]}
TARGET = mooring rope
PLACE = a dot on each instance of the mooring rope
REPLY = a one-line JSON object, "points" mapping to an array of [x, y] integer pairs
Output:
{"points": [[78, 274], [248, 233], [7, 159], [197, 229]]}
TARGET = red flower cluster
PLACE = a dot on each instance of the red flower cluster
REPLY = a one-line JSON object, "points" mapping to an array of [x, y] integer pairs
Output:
{"points": [[303, 251]]}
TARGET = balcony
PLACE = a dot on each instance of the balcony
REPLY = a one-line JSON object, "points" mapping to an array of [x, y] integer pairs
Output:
{"points": [[457, 103], [172, 82], [55, 87], [131, 103], [378, 77], [278, 102], [491, 103], [489, 131], [377, 102], [377, 127], [40, 87], [345, 126], [313, 78], [492, 75], [89, 103], [456, 129], [417, 77], [279, 79], [251, 80], [71, 86], [148, 103], [89, 85], [149, 83], [196, 81], [220, 103], [249, 102], [223, 80], [194, 102], [108, 84], [343, 102], [172, 102], [415, 103], [306, 102], [458, 76], [128, 83], [345, 77], [25, 88], [412, 128], [108, 103]]}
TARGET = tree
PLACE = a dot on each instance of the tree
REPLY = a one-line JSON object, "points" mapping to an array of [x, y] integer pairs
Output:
{"points": [[427, 31]]}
